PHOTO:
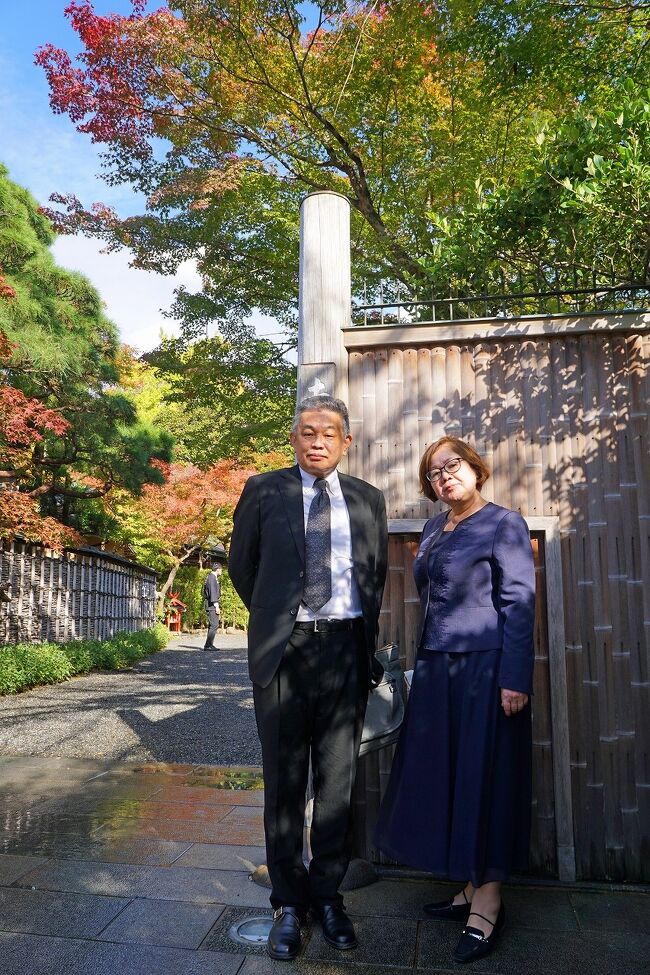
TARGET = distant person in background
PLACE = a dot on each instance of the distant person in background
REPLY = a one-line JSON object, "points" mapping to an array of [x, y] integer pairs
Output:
{"points": [[459, 797], [211, 596]]}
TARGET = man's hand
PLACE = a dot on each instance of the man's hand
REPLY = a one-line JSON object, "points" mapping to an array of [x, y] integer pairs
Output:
{"points": [[512, 702]]}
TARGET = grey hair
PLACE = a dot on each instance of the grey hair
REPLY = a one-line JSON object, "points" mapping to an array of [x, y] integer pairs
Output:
{"points": [[322, 403]]}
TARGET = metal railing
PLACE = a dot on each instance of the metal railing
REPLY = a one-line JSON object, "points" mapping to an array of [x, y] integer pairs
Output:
{"points": [[455, 308]]}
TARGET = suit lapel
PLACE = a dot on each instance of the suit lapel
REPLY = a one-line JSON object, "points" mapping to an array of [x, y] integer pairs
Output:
{"points": [[290, 488]]}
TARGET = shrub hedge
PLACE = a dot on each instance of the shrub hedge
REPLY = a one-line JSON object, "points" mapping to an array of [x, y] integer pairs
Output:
{"points": [[189, 586], [25, 665]]}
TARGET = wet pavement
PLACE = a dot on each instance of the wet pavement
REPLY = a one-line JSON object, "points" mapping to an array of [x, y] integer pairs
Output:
{"points": [[142, 867]]}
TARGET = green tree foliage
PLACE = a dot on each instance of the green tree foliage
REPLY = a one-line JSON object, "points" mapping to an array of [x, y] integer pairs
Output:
{"points": [[578, 214], [61, 358], [228, 399]]}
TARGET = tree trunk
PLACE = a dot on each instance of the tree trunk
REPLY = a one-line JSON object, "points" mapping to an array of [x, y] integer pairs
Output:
{"points": [[169, 582]]}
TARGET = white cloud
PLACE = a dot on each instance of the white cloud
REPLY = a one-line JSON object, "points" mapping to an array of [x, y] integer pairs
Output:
{"points": [[134, 299]]}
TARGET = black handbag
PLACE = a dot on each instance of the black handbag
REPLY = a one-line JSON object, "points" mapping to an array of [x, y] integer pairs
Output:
{"points": [[385, 711]]}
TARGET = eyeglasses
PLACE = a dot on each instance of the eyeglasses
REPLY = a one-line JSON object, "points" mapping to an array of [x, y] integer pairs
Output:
{"points": [[449, 468]]}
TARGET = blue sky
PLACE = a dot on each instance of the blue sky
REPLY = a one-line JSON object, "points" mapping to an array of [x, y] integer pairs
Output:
{"points": [[44, 152]]}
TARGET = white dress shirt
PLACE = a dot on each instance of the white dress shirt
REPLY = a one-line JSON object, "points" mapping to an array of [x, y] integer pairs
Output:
{"points": [[345, 602]]}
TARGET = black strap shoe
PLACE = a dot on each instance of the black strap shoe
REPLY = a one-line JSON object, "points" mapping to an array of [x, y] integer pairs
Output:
{"points": [[448, 911], [474, 944], [338, 930], [284, 937]]}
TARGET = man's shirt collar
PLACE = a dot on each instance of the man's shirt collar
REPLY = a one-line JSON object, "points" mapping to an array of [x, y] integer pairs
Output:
{"points": [[332, 479]]}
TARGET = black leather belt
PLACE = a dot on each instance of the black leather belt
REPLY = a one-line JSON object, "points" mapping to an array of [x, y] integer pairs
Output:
{"points": [[327, 626]]}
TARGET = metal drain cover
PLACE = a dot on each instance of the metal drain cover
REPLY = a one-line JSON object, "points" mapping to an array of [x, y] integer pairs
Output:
{"points": [[252, 931]]}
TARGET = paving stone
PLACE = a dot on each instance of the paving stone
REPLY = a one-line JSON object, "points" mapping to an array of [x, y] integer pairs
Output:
{"points": [[107, 959], [37, 821], [13, 867], [109, 879], [165, 883], [245, 816], [136, 851], [541, 908], [48, 845], [27, 954], [206, 794], [382, 941], [220, 857], [183, 812], [620, 911], [397, 898], [55, 913], [204, 886], [263, 965], [222, 833], [161, 853], [233, 778], [172, 924], [540, 952]]}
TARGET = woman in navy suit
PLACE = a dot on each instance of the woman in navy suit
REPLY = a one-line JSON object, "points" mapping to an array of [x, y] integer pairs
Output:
{"points": [[459, 796]]}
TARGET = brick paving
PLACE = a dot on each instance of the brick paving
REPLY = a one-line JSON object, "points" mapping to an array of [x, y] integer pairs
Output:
{"points": [[115, 859]]}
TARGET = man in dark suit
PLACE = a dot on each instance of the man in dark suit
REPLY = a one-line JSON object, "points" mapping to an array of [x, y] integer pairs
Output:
{"points": [[308, 557], [211, 597]]}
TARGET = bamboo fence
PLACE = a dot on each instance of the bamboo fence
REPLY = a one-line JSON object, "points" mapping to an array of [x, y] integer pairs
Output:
{"points": [[71, 595], [559, 411]]}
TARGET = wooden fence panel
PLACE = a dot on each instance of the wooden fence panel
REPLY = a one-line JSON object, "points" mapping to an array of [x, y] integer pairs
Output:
{"points": [[71, 595], [561, 416]]}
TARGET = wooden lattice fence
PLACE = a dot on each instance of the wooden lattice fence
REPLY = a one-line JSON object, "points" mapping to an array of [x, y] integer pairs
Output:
{"points": [[71, 595]]}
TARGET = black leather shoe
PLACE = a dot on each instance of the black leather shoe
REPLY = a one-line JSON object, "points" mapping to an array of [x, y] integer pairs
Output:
{"points": [[448, 911], [284, 937], [474, 944], [338, 930]]}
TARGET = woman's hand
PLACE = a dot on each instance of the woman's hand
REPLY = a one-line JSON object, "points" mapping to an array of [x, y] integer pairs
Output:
{"points": [[512, 702]]}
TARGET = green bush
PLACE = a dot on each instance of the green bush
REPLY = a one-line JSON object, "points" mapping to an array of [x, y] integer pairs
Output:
{"points": [[233, 611], [26, 665], [42, 663], [189, 586]]}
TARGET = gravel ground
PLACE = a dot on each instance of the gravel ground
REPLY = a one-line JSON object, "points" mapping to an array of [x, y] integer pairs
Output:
{"points": [[179, 705]]}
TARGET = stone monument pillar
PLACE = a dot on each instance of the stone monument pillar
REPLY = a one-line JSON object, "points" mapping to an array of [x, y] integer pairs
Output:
{"points": [[325, 295]]}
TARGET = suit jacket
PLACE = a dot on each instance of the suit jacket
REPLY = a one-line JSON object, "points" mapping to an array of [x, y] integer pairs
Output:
{"points": [[267, 562], [211, 589]]}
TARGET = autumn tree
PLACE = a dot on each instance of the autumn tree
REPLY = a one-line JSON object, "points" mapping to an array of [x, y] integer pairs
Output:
{"points": [[23, 424], [225, 113], [69, 434], [172, 522]]}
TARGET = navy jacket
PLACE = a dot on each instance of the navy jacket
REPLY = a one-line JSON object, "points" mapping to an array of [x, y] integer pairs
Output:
{"points": [[477, 590]]}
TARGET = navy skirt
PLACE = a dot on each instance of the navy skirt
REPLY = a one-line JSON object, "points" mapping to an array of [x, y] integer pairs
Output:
{"points": [[459, 796]]}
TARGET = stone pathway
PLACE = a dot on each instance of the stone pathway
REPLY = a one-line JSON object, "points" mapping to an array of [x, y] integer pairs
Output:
{"points": [[179, 705], [125, 848]]}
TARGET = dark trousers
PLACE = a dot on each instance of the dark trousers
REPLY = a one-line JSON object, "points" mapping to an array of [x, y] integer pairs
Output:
{"points": [[213, 626], [314, 706]]}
